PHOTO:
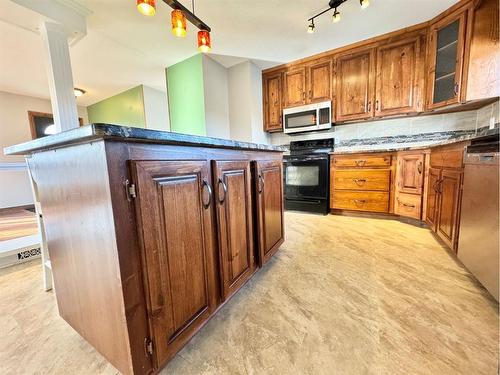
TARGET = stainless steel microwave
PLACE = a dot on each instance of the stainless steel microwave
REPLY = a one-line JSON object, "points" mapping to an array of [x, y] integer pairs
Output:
{"points": [[317, 116]]}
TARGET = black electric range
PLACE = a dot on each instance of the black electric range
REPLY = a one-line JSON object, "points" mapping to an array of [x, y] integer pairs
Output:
{"points": [[307, 175]]}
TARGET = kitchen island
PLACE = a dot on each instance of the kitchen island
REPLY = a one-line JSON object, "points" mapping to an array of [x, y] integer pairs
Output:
{"points": [[150, 233]]}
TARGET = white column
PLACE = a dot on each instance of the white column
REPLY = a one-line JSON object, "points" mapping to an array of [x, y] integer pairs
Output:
{"points": [[60, 76]]}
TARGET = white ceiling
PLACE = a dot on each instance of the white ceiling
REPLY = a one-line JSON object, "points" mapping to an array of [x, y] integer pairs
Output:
{"points": [[124, 48]]}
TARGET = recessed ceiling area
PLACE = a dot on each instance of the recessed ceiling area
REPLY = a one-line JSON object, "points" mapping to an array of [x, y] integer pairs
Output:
{"points": [[124, 48]]}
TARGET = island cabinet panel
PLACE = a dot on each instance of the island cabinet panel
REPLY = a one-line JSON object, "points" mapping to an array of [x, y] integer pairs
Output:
{"points": [[235, 229], [273, 102], [399, 67], [319, 79], [269, 206], [355, 85], [175, 222], [295, 87]]}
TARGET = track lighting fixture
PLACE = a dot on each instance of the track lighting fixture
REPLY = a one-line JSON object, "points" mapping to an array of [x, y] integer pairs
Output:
{"points": [[333, 4], [336, 16], [310, 28]]}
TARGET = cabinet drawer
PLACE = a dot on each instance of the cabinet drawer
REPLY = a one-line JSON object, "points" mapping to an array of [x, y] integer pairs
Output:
{"points": [[362, 161], [447, 158], [356, 179], [409, 205], [361, 201]]}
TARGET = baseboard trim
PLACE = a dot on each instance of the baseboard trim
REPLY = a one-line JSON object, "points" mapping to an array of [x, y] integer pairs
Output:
{"points": [[380, 215]]}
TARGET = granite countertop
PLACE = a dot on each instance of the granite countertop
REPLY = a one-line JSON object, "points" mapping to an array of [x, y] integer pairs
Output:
{"points": [[125, 133], [413, 144]]}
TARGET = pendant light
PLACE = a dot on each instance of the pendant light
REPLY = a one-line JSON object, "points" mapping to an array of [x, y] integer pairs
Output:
{"points": [[179, 27], [364, 3], [146, 7], [204, 43]]}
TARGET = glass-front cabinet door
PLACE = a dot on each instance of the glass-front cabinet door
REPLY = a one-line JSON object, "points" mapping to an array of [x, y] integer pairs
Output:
{"points": [[446, 55]]}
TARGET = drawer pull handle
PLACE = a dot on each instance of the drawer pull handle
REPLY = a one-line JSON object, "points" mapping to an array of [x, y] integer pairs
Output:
{"points": [[359, 181], [360, 163], [419, 168], [360, 201], [406, 204]]}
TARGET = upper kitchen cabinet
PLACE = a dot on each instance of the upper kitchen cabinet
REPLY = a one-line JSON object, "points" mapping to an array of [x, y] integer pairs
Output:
{"points": [[319, 82], [399, 79], [273, 101], [295, 87], [355, 85], [446, 59], [483, 72]]}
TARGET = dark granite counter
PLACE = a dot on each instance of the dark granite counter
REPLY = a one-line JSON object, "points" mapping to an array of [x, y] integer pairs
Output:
{"points": [[374, 145], [124, 133]]}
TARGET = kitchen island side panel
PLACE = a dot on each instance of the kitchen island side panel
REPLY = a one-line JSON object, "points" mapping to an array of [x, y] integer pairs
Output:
{"points": [[74, 192]]}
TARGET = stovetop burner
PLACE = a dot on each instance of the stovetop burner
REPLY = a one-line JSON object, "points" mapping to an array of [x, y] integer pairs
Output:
{"points": [[313, 146]]}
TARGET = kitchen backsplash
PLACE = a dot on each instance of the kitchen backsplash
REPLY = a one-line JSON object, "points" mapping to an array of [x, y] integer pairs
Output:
{"points": [[401, 132]]}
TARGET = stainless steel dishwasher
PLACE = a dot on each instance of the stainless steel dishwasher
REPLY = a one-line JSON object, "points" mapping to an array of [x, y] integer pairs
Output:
{"points": [[478, 246]]}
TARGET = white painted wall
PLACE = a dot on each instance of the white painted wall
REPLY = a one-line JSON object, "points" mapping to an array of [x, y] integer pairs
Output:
{"points": [[245, 103], [15, 189], [239, 99], [215, 86], [156, 109]]}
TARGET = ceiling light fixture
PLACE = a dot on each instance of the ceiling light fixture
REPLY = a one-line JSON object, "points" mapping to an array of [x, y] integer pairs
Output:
{"points": [[179, 28], [178, 19], [310, 28], [78, 92], [204, 44], [332, 4], [146, 7], [336, 16]]}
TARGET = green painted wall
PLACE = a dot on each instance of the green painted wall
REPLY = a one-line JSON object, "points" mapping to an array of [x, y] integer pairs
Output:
{"points": [[126, 108], [186, 97]]}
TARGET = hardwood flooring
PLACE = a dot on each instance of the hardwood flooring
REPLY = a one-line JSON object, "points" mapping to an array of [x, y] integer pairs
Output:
{"points": [[344, 295], [17, 223]]}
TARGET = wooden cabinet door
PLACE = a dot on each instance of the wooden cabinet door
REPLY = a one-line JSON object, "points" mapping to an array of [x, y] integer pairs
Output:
{"points": [[354, 88], [176, 227], [273, 102], [295, 87], [235, 229], [398, 78], [446, 58], [269, 199], [410, 173], [449, 189], [432, 213], [319, 82]]}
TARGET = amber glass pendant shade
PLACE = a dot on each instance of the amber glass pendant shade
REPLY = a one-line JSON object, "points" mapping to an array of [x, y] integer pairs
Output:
{"points": [[204, 43], [146, 7], [178, 23]]}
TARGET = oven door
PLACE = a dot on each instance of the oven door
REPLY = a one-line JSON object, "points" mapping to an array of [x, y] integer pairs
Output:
{"points": [[306, 177]]}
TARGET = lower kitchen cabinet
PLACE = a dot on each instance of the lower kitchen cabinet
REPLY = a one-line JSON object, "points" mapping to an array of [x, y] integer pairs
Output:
{"points": [[269, 207], [449, 190], [432, 197], [445, 193], [175, 220], [235, 228], [409, 189]]}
